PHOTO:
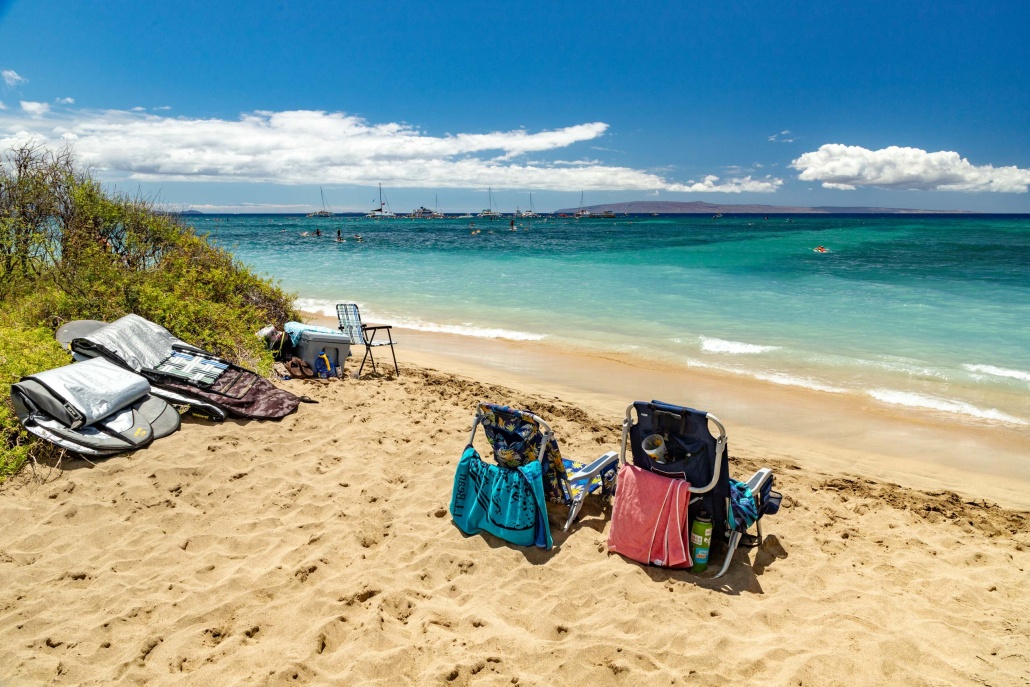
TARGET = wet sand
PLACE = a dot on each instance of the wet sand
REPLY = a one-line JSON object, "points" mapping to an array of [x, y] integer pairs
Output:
{"points": [[839, 432]]}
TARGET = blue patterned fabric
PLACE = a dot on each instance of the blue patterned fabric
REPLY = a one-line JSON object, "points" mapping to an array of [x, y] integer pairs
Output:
{"points": [[506, 502], [516, 439], [743, 511], [350, 321]]}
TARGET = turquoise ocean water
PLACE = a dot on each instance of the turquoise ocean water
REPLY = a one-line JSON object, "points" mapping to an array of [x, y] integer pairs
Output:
{"points": [[928, 312]]}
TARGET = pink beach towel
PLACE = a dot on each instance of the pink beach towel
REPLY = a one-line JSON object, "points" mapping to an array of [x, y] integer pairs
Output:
{"points": [[649, 519]]}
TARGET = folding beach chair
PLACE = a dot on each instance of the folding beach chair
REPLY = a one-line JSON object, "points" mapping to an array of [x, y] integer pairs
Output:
{"points": [[350, 324], [692, 453], [519, 438]]}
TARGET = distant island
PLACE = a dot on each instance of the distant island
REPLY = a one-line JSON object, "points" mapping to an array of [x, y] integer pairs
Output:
{"points": [[667, 207], [178, 212]]}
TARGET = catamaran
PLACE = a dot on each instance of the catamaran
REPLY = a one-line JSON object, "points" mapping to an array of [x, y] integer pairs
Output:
{"points": [[530, 212], [489, 212], [383, 211], [325, 211]]}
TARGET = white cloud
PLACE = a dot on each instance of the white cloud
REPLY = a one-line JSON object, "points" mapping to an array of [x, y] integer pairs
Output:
{"points": [[309, 147], [64, 101], [11, 78], [236, 207], [712, 184], [163, 107], [781, 137], [32, 109], [848, 167], [139, 108], [2, 106]]}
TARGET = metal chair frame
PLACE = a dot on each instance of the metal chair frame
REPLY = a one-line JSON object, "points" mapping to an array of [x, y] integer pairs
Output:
{"points": [[369, 342]]}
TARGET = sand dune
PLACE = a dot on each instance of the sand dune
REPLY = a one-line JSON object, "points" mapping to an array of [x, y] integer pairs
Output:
{"points": [[318, 550]]}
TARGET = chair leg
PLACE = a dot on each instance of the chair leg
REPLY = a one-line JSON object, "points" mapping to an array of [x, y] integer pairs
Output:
{"points": [[396, 369], [577, 503], [734, 540], [363, 359]]}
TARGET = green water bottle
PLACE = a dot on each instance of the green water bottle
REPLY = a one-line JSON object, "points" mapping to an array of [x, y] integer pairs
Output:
{"points": [[700, 541]]}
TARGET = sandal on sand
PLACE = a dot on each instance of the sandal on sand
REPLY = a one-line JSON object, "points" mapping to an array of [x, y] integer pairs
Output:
{"points": [[306, 369], [294, 366]]}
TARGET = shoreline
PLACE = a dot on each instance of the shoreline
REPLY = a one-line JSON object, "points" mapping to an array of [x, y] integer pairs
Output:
{"points": [[830, 432]]}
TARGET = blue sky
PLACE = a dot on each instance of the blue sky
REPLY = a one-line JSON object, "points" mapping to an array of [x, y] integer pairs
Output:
{"points": [[253, 105]]}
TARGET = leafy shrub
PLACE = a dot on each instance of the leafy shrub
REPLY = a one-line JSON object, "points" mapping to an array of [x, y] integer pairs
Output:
{"points": [[70, 250], [23, 351]]}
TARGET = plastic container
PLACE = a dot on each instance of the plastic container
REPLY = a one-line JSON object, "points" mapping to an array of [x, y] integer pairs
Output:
{"points": [[700, 542], [336, 347], [654, 447]]}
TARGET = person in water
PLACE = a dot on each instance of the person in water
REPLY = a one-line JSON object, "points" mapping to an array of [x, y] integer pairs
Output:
{"points": [[338, 235], [318, 232]]}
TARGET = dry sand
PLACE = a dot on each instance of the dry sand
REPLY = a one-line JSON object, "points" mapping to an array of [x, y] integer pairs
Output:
{"points": [[318, 550]]}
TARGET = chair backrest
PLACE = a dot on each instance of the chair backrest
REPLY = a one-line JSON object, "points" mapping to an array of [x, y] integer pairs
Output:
{"points": [[350, 321], [692, 453], [517, 438]]}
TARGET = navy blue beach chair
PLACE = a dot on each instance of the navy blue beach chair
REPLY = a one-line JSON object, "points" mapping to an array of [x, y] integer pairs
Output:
{"points": [[692, 453]]}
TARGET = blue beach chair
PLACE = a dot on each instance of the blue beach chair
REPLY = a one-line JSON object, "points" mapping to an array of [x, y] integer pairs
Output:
{"points": [[525, 451], [695, 455]]}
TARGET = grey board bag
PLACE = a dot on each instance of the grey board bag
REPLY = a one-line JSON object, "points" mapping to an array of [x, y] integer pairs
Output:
{"points": [[94, 408], [173, 366], [87, 350]]}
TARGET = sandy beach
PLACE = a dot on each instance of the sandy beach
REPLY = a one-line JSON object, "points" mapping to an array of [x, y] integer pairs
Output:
{"points": [[319, 550]]}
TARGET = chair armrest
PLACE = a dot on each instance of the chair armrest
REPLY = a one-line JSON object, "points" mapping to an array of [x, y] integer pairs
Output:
{"points": [[759, 479], [376, 326], [594, 469]]}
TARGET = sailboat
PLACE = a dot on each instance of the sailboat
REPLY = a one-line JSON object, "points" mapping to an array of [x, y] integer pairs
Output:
{"points": [[579, 214], [325, 211], [489, 212], [383, 211], [436, 213], [530, 212]]}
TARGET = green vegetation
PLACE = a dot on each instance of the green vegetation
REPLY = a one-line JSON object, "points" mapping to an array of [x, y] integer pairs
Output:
{"points": [[70, 250]]}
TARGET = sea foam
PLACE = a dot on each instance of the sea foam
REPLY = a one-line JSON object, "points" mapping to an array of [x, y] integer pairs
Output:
{"points": [[328, 308], [911, 400], [713, 345], [781, 378], [998, 372]]}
